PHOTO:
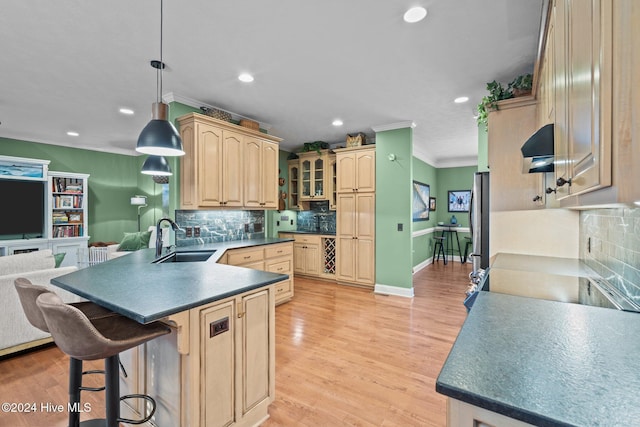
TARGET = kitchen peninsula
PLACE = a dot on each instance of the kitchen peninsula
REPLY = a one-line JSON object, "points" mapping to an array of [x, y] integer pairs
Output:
{"points": [[217, 367]]}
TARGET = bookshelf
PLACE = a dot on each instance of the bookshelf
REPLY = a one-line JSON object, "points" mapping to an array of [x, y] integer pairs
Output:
{"points": [[68, 217]]}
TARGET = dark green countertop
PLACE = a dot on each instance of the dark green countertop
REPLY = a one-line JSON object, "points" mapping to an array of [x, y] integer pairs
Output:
{"points": [[547, 363], [134, 287]]}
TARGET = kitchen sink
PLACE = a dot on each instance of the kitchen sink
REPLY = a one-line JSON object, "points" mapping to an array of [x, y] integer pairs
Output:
{"points": [[192, 256]]}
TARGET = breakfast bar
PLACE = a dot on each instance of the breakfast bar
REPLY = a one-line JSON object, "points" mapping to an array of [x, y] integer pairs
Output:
{"points": [[217, 367]]}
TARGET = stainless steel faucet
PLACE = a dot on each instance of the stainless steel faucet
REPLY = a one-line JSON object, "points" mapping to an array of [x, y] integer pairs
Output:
{"points": [[174, 226]]}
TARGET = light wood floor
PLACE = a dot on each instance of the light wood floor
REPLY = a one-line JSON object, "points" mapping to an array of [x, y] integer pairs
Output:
{"points": [[344, 357]]}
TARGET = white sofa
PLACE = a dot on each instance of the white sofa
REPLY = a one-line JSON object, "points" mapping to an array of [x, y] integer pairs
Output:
{"points": [[16, 333]]}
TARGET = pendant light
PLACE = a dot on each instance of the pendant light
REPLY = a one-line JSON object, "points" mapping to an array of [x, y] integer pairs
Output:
{"points": [[160, 137], [156, 166]]}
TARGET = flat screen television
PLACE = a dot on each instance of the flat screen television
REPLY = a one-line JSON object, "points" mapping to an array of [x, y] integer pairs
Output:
{"points": [[23, 209]]}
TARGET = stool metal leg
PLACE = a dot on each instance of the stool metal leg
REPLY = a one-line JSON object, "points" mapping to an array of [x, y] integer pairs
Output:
{"points": [[75, 381], [112, 394]]}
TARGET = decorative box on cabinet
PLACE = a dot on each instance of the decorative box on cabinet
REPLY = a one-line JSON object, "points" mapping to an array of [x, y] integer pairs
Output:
{"points": [[214, 171]]}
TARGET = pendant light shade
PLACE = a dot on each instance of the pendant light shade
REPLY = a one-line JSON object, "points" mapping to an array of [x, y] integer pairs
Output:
{"points": [[159, 137], [157, 166]]}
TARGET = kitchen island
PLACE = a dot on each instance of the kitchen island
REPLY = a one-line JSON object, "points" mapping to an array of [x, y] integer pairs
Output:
{"points": [[217, 367], [521, 361]]}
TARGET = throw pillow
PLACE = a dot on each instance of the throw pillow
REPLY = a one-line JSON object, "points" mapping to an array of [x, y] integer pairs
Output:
{"points": [[59, 258], [135, 241]]}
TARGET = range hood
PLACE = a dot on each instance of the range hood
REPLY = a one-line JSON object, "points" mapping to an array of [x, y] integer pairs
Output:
{"points": [[538, 151]]}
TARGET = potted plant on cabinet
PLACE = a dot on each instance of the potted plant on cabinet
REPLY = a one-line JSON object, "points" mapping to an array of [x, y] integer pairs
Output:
{"points": [[521, 85], [497, 92]]}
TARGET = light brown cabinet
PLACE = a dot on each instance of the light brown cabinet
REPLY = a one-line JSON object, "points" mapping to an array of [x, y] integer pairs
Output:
{"points": [[306, 254], [275, 258], [593, 72], [583, 36], [355, 238], [355, 215], [356, 169], [226, 165], [509, 127], [260, 173], [294, 184], [236, 340], [313, 175]]}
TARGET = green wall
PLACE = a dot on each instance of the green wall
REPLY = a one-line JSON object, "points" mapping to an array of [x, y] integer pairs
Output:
{"points": [[114, 179], [393, 207], [422, 244]]}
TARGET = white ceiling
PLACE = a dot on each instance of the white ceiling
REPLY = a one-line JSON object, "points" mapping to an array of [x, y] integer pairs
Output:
{"points": [[71, 64]]}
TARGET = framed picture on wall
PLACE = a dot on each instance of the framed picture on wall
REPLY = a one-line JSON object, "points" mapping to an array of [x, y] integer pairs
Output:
{"points": [[420, 204], [432, 204], [459, 200]]}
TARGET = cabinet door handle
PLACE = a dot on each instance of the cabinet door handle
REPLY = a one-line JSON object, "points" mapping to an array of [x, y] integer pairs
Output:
{"points": [[561, 181], [240, 312], [247, 257]]}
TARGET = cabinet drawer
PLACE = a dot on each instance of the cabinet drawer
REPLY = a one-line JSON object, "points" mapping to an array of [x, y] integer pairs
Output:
{"points": [[283, 287], [256, 265], [273, 251], [281, 267], [244, 256], [306, 238]]}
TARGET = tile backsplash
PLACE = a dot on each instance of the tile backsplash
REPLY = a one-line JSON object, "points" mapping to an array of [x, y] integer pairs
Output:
{"points": [[219, 226], [610, 245], [317, 218]]}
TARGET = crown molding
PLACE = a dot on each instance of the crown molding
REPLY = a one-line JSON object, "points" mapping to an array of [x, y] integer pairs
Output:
{"points": [[394, 126], [173, 97]]}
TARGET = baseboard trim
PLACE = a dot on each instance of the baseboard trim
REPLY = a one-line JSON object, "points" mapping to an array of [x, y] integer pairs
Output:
{"points": [[393, 290], [422, 265]]}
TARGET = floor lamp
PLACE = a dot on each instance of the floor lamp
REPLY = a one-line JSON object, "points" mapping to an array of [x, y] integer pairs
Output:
{"points": [[140, 202]]}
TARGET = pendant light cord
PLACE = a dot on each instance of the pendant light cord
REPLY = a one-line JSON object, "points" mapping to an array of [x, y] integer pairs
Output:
{"points": [[159, 70]]}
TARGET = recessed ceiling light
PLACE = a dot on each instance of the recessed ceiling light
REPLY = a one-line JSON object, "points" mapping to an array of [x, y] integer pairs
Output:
{"points": [[245, 77], [337, 122], [461, 99], [415, 14], [72, 133], [127, 111]]}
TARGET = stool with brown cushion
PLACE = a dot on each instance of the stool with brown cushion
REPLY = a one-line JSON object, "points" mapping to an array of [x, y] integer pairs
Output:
{"points": [[102, 338], [28, 293]]}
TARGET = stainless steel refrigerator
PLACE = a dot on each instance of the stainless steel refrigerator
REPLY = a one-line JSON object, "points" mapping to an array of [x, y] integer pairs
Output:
{"points": [[479, 223]]}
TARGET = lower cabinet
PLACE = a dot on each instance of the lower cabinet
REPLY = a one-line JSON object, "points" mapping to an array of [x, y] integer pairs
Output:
{"points": [[355, 239], [461, 414], [276, 258], [216, 368], [306, 255], [236, 369]]}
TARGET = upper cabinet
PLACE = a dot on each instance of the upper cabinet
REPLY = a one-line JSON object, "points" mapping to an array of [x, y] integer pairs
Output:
{"points": [[583, 45], [294, 184], [260, 173], [356, 170], [226, 165], [509, 127], [313, 175], [588, 86]]}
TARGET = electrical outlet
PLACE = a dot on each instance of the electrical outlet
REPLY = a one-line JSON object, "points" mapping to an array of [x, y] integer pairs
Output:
{"points": [[257, 227], [196, 231], [189, 231], [246, 228], [291, 222], [400, 226], [277, 223]]}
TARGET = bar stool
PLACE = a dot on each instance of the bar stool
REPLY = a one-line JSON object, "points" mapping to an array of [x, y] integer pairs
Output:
{"points": [[102, 338], [28, 293], [438, 247], [468, 243]]}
